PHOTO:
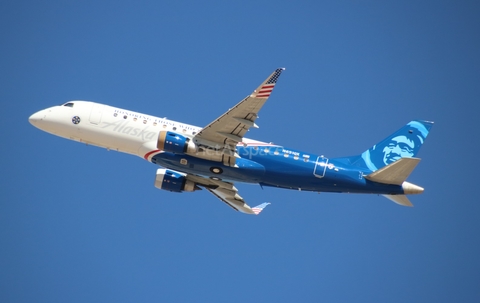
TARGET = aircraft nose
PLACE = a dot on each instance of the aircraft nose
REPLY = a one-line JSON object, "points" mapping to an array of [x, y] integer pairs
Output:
{"points": [[36, 118]]}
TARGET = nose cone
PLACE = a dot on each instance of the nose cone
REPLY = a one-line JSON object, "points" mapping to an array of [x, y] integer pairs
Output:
{"points": [[37, 118]]}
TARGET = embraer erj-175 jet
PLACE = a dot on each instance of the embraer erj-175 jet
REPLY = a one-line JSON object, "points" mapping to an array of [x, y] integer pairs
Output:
{"points": [[217, 155]]}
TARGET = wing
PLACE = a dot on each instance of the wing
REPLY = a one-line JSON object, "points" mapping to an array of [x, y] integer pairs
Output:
{"points": [[227, 193], [228, 130]]}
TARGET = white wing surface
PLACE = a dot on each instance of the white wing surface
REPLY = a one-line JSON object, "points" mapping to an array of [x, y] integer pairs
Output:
{"points": [[227, 193], [225, 132]]}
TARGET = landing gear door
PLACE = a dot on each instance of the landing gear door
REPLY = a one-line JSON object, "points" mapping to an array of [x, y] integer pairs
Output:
{"points": [[320, 167]]}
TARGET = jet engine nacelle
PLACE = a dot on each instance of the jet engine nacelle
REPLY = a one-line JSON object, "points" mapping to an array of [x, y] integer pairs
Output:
{"points": [[173, 181], [178, 144], [175, 143]]}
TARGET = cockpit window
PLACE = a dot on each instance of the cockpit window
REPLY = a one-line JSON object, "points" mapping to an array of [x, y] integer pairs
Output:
{"points": [[69, 104]]}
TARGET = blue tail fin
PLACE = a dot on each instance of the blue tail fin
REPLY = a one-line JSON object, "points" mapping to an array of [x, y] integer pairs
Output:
{"points": [[404, 143]]}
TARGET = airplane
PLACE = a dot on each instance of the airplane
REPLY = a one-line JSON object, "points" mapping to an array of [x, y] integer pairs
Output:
{"points": [[216, 156]]}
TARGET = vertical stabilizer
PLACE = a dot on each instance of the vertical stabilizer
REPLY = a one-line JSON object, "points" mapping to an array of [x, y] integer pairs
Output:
{"points": [[404, 143]]}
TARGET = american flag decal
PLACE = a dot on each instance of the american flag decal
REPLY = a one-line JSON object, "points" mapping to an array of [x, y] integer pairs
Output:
{"points": [[258, 209], [267, 88], [265, 91]]}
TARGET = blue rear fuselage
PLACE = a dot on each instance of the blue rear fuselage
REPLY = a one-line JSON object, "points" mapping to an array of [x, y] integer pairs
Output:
{"points": [[276, 166]]}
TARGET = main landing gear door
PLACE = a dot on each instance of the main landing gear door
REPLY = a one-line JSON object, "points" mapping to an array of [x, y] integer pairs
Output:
{"points": [[320, 167]]}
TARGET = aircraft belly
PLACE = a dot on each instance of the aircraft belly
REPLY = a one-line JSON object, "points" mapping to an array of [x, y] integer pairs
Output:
{"points": [[247, 171], [343, 180]]}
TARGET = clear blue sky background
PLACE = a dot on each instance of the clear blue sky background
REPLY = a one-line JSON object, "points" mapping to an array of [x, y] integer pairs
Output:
{"points": [[81, 224]]}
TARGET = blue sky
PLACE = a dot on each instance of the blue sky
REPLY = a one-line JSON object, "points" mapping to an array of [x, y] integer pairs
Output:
{"points": [[81, 224]]}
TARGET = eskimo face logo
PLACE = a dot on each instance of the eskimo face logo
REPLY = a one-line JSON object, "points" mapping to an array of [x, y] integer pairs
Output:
{"points": [[76, 120], [405, 143], [399, 147]]}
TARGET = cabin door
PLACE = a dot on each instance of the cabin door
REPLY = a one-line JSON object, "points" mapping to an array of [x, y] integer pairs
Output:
{"points": [[320, 167], [96, 113]]}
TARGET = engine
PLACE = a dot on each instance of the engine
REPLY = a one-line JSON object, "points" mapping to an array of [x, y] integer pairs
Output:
{"points": [[173, 181], [175, 143], [178, 144]]}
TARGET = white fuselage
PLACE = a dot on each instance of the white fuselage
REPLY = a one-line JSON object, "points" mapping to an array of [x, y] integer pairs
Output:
{"points": [[109, 127]]}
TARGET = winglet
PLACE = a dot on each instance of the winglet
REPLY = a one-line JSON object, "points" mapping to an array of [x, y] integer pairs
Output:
{"points": [[266, 88], [258, 209]]}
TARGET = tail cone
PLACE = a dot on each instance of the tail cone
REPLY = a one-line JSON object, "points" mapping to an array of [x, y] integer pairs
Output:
{"points": [[411, 189]]}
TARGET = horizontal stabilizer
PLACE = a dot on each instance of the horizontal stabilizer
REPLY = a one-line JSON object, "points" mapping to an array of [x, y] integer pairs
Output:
{"points": [[394, 173], [399, 199]]}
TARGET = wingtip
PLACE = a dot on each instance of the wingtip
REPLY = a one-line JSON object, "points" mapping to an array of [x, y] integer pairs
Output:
{"points": [[258, 209]]}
